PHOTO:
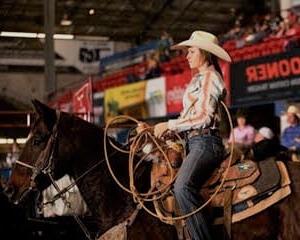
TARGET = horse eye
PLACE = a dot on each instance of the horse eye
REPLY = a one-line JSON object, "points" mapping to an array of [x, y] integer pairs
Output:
{"points": [[36, 141]]}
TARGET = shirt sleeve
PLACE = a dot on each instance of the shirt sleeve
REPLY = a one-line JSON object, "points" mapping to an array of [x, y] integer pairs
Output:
{"points": [[250, 136], [286, 140], [212, 89]]}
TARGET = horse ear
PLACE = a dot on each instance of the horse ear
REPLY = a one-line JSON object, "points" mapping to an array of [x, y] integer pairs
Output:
{"points": [[46, 113]]}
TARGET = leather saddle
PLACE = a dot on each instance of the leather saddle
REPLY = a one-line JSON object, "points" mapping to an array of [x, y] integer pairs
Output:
{"points": [[246, 179], [248, 188]]}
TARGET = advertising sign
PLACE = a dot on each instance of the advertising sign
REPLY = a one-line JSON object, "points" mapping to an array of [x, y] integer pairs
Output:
{"points": [[128, 99], [266, 79], [156, 97], [175, 86]]}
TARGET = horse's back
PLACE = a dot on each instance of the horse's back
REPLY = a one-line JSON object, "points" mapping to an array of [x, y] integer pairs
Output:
{"points": [[289, 208]]}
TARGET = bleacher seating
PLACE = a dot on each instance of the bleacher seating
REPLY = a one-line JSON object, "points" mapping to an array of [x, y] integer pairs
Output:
{"points": [[267, 47]]}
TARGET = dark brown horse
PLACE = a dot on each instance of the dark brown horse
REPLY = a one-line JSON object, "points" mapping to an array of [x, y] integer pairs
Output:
{"points": [[79, 146]]}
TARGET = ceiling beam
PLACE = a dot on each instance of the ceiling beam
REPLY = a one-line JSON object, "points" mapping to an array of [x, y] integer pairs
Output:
{"points": [[153, 19], [179, 15]]}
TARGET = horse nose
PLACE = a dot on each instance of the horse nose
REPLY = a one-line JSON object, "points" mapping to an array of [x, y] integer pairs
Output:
{"points": [[9, 191]]}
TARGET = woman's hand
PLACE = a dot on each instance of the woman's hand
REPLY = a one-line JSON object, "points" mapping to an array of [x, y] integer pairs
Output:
{"points": [[160, 128], [141, 126]]}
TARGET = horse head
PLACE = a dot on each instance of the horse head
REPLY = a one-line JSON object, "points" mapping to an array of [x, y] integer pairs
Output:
{"points": [[41, 147]]}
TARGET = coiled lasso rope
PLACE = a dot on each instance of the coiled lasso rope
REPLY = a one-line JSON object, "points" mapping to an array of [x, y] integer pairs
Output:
{"points": [[142, 197], [134, 148]]}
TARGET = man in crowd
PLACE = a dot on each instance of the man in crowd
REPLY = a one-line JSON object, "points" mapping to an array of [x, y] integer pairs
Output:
{"points": [[291, 135], [266, 145]]}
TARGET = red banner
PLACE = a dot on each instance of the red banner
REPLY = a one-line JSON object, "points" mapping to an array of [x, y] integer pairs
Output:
{"points": [[225, 68], [83, 101], [63, 102], [175, 86]]}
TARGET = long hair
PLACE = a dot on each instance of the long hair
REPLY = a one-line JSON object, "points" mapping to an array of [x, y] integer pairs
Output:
{"points": [[212, 60]]}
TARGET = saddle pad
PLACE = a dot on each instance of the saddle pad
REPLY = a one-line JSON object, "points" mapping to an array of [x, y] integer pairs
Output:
{"points": [[277, 195], [260, 206], [268, 181], [270, 176]]}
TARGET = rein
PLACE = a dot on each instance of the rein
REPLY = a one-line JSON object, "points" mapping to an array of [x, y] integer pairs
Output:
{"points": [[25, 164]]}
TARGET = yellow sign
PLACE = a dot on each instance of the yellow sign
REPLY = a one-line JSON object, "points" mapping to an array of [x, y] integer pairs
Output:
{"points": [[128, 99]]}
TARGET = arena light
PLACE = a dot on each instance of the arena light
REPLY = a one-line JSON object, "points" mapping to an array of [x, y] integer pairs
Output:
{"points": [[21, 140], [92, 11], [66, 22], [57, 36], [11, 141], [35, 35], [41, 35], [19, 34], [63, 36]]}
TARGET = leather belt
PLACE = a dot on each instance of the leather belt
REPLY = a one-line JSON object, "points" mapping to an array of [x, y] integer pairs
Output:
{"points": [[201, 132]]}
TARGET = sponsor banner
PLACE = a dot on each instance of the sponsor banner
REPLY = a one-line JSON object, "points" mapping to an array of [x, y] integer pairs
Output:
{"points": [[84, 55], [63, 102], [81, 54], [82, 101], [65, 107], [266, 79], [156, 97], [175, 87], [128, 99]]}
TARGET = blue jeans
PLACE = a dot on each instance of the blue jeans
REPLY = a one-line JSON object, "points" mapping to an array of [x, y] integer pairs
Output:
{"points": [[205, 154]]}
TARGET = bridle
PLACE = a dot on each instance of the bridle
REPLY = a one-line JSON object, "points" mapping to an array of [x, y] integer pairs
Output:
{"points": [[42, 165], [45, 165]]}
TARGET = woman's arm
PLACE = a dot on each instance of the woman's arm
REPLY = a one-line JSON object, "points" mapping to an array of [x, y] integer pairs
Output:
{"points": [[204, 108]]}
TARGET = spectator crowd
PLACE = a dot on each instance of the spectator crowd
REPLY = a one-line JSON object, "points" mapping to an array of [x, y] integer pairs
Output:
{"points": [[263, 143], [261, 28]]}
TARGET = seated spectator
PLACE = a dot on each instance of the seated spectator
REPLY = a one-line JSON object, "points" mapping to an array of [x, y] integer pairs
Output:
{"points": [[277, 26], [293, 21], [153, 69], [164, 47], [243, 133], [266, 145], [291, 135]]}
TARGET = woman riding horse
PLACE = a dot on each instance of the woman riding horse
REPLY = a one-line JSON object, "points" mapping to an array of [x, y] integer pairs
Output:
{"points": [[199, 121]]}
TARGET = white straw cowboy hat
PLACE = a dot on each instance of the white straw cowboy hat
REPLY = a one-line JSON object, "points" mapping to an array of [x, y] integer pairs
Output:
{"points": [[205, 41], [294, 110]]}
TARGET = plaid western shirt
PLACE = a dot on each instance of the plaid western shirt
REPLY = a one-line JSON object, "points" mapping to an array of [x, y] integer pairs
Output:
{"points": [[200, 101]]}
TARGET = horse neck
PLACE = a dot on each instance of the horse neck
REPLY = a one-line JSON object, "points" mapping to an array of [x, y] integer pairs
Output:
{"points": [[107, 201]]}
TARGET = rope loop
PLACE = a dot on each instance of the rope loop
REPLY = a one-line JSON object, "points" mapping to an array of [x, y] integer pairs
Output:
{"points": [[137, 144]]}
